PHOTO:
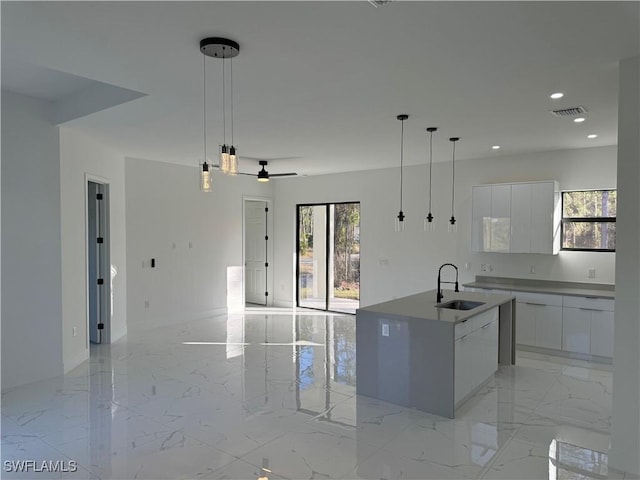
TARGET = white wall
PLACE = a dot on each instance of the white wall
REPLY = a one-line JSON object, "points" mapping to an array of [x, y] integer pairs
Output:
{"points": [[398, 264], [81, 156], [625, 424], [166, 213], [31, 245]]}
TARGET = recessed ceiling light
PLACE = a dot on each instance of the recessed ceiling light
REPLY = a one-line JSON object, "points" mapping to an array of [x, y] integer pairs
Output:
{"points": [[496, 147], [592, 135], [557, 95], [579, 119]]}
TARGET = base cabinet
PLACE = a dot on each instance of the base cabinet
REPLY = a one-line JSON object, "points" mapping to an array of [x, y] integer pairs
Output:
{"points": [[602, 333], [566, 323], [588, 326], [539, 320], [476, 353]]}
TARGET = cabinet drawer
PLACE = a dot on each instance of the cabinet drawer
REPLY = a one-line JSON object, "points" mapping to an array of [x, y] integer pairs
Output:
{"points": [[591, 303], [474, 323], [538, 298]]}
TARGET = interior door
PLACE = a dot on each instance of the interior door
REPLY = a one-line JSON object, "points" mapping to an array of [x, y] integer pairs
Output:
{"points": [[98, 263], [255, 269]]}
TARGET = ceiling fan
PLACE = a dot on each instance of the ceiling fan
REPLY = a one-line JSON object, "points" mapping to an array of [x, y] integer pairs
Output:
{"points": [[264, 176]]}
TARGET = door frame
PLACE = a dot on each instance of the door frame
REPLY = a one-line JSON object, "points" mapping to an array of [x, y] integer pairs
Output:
{"points": [[328, 253], [106, 306], [270, 249]]}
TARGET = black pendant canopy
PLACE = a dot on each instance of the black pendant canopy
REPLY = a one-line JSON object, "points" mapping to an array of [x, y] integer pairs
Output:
{"points": [[218, 47]]}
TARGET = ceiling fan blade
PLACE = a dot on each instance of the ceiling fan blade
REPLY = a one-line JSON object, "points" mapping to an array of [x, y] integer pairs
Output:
{"points": [[250, 174], [291, 174]]}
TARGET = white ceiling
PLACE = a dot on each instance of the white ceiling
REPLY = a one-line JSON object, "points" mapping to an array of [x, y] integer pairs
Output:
{"points": [[324, 81]]}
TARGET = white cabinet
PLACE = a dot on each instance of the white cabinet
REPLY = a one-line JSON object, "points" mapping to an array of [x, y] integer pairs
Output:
{"points": [[491, 218], [545, 217], [481, 218], [516, 218], [521, 218], [588, 325], [602, 333], [576, 335], [539, 320], [476, 352]]}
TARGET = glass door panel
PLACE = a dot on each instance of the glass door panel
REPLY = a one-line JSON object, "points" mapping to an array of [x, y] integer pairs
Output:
{"points": [[312, 256], [344, 268]]}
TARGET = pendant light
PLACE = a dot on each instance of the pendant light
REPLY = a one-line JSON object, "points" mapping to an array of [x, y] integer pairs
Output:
{"points": [[429, 226], [206, 184], [400, 218], [453, 227], [224, 48]]}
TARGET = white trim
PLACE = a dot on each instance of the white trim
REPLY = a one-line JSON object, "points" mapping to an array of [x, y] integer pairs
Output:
{"points": [[270, 259], [90, 177]]}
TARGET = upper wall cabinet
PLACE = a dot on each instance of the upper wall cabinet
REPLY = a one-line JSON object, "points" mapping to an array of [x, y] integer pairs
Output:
{"points": [[516, 218]]}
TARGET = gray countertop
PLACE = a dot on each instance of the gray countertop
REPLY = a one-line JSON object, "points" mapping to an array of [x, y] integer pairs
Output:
{"points": [[597, 290], [423, 305]]}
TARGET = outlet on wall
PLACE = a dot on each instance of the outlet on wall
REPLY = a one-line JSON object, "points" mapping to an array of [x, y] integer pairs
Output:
{"points": [[385, 329], [591, 272], [146, 304], [532, 269]]}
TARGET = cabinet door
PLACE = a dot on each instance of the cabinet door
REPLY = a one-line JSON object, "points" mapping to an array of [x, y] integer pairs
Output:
{"points": [[602, 333], [525, 324], [481, 218], [543, 199], [548, 320], [521, 218], [500, 218], [576, 330], [462, 370], [486, 363]]}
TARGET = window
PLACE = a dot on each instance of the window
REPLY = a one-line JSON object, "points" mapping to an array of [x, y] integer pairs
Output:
{"points": [[589, 220]]}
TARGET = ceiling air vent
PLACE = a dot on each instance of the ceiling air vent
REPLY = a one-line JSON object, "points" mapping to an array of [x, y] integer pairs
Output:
{"points": [[569, 112]]}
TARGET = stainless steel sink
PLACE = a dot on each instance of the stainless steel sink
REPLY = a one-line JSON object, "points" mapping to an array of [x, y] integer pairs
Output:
{"points": [[459, 305]]}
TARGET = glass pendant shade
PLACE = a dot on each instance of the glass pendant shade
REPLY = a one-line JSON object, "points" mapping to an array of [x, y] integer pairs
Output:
{"points": [[206, 183], [399, 227], [429, 224], [224, 160], [453, 226], [233, 161]]}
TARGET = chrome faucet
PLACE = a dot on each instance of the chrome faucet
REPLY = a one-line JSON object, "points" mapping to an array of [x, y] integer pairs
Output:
{"points": [[439, 296]]}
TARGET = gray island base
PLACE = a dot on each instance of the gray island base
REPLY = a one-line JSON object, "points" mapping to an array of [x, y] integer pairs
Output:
{"points": [[412, 353]]}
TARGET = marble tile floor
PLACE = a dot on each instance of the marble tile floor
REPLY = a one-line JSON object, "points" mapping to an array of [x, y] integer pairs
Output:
{"points": [[271, 393]]}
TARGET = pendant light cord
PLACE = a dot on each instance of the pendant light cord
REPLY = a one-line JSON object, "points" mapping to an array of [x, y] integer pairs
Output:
{"points": [[401, 159], [224, 112], [231, 65], [204, 103], [430, 164], [453, 181]]}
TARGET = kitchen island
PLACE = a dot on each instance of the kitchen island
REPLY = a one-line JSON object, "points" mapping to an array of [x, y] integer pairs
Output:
{"points": [[413, 353]]}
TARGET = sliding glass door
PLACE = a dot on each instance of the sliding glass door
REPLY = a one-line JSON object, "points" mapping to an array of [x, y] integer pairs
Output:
{"points": [[328, 256]]}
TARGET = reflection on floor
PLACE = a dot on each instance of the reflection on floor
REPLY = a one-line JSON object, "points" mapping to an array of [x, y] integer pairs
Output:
{"points": [[272, 394], [343, 305]]}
